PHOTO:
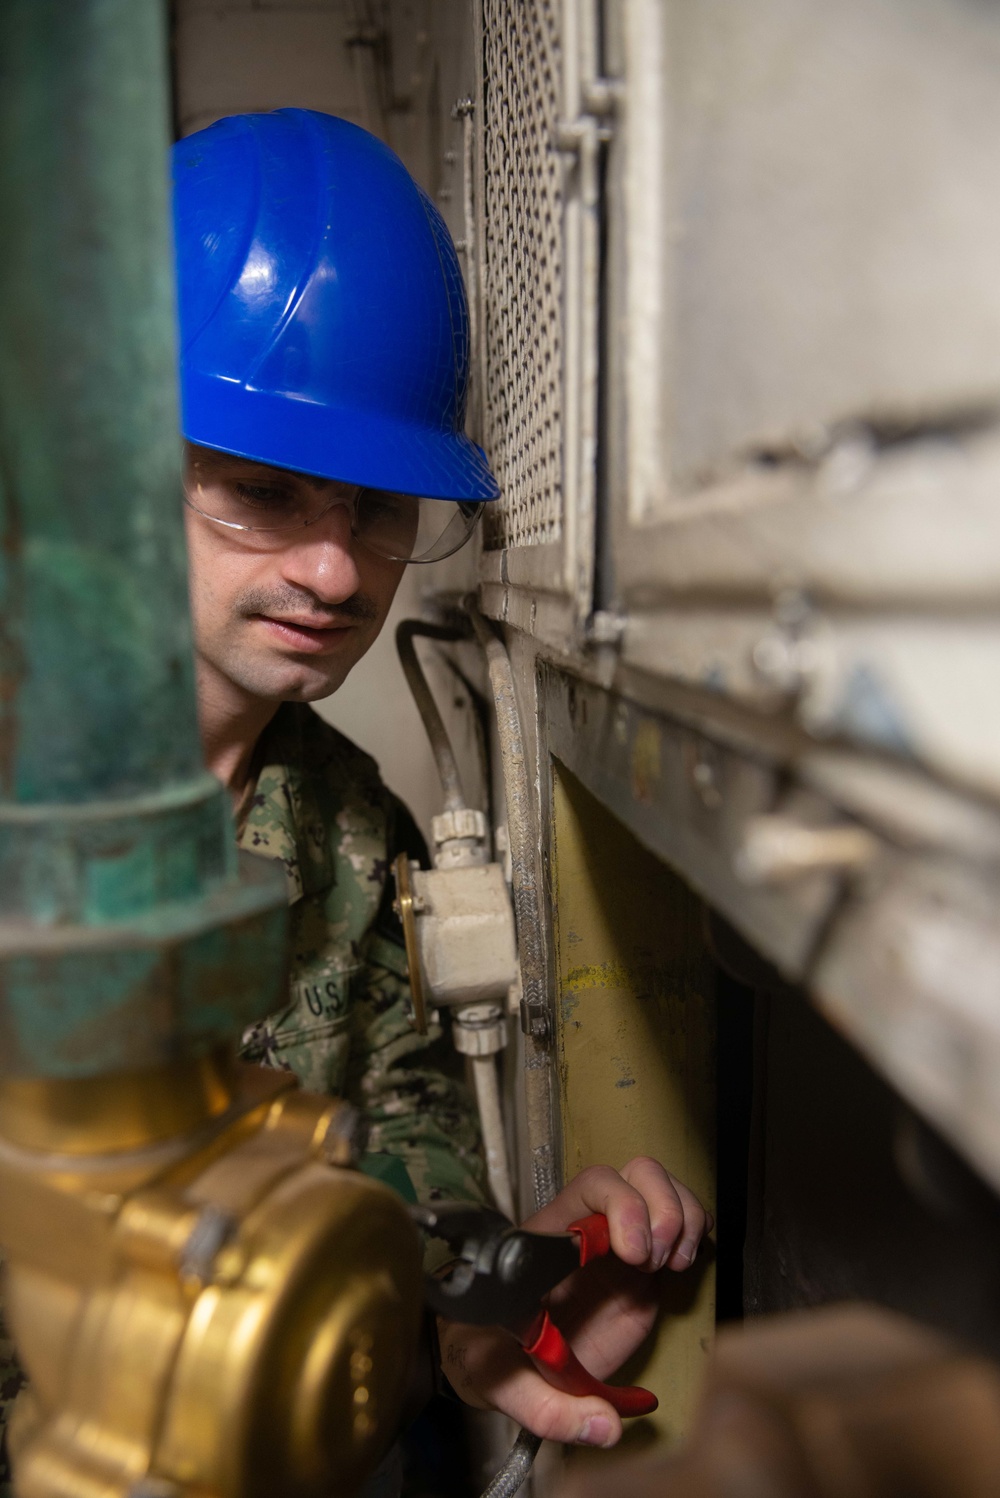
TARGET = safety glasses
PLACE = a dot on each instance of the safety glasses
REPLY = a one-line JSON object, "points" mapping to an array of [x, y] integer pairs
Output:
{"points": [[273, 502]]}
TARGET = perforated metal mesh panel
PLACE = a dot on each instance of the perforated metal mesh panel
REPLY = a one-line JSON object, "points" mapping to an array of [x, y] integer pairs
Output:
{"points": [[522, 239]]}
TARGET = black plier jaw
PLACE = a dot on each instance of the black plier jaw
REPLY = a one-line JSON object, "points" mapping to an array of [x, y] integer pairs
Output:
{"points": [[500, 1274], [500, 1277]]}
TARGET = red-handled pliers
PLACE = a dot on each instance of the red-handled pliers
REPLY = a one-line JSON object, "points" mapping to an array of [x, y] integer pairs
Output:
{"points": [[500, 1277]]}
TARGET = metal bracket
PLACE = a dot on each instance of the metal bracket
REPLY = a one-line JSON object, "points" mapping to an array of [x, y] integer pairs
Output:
{"points": [[601, 99], [534, 1021], [404, 905]]}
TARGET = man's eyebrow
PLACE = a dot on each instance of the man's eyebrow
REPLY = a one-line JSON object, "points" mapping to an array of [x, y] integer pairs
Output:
{"points": [[290, 473], [265, 470]]}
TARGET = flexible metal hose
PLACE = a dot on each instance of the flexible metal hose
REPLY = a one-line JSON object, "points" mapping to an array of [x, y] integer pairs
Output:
{"points": [[516, 1468], [527, 911]]}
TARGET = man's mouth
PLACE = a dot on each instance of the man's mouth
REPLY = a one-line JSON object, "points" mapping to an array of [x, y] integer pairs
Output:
{"points": [[310, 637]]}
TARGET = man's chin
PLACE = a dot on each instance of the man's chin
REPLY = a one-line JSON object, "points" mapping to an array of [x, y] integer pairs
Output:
{"points": [[287, 681], [311, 686], [314, 693]]}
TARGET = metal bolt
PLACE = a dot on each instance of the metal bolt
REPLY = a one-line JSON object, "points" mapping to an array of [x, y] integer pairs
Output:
{"points": [[512, 1261], [705, 780], [346, 1136], [567, 137], [605, 627], [534, 1021], [602, 96], [462, 107], [213, 1227]]}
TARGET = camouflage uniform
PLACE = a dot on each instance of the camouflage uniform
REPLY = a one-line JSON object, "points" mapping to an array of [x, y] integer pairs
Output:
{"points": [[320, 807], [11, 1380]]}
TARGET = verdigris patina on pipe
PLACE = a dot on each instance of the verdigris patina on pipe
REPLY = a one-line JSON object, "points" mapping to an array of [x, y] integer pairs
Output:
{"points": [[128, 934]]}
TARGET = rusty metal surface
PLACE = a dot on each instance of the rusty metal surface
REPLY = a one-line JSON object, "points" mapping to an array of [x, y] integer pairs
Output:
{"points": [[690, 800]]}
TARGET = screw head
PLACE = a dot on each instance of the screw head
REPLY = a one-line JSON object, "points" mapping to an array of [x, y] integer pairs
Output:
{"points": [[212, 1229], [346, 1136]]}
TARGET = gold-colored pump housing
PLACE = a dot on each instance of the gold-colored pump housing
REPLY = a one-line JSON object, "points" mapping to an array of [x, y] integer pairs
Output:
{"points": [[205, 1299]]}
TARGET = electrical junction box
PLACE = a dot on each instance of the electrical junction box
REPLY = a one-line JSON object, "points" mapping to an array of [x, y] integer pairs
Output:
{"points": [[465, 932]]}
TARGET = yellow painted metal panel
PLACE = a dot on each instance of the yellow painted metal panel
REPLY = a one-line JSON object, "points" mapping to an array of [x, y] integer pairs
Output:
{"points": [[636, 1041]]}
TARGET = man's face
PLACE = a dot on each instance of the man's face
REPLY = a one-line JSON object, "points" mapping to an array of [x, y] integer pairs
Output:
{"points": [[285, 614]]}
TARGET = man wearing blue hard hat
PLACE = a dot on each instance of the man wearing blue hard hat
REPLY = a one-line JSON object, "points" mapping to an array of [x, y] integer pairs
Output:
{"points": [[324, 366]]}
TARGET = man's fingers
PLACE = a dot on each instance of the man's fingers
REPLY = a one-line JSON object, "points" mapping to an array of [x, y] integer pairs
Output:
{"points": [[527, 1398], [678, 1220], [487, 1369], [653, 1218], [667, 1202], [601, 1189], [696, 1224]]}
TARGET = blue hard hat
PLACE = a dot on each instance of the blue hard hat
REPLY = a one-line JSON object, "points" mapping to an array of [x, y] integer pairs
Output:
{"points": [[323, 320]]}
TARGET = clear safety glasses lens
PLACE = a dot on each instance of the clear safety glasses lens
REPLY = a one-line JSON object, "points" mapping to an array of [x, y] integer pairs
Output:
{"points": [[406, 528], [401, 527]]}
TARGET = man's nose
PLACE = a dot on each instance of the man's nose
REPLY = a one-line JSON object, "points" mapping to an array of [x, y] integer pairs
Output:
{"points": [[321, 558]]}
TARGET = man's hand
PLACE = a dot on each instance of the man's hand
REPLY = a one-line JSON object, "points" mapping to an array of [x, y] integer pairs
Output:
{"points": [[604, 1311]]}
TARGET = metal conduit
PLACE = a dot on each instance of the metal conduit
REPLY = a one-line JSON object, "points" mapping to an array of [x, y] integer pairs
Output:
{"points": [[527, 912], [444, 754]]}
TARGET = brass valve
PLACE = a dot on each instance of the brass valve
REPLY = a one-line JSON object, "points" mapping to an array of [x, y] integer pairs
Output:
{"points": [[224, 1311]]}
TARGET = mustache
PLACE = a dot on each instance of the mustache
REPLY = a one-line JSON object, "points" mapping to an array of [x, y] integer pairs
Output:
{"points": [[358, 609]]}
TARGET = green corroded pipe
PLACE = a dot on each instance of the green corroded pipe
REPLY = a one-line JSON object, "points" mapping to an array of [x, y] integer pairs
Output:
{"points": [[96, 693], [126, 931]]}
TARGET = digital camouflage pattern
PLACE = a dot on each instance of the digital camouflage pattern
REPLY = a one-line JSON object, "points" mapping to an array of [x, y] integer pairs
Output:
{"points": [[11, 1380], [320, 808]]}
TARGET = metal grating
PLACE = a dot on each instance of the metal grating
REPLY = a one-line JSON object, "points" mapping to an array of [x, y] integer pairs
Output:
{"points": [[522, 239]]}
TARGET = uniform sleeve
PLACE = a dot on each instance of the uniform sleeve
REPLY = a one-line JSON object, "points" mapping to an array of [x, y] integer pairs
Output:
{"points": [[409, 1085], [11, 1381]]}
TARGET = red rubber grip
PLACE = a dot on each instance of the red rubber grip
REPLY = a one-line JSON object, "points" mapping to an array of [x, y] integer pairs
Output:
{"points": [[595, 1237], [561, 1367]]}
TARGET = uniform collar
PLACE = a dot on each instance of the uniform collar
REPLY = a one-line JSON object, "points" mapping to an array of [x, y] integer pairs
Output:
{"points": [[284, 819]]}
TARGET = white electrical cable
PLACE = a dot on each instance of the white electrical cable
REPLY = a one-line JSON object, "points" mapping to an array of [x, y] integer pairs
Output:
{"points": [[487, 1084]]}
